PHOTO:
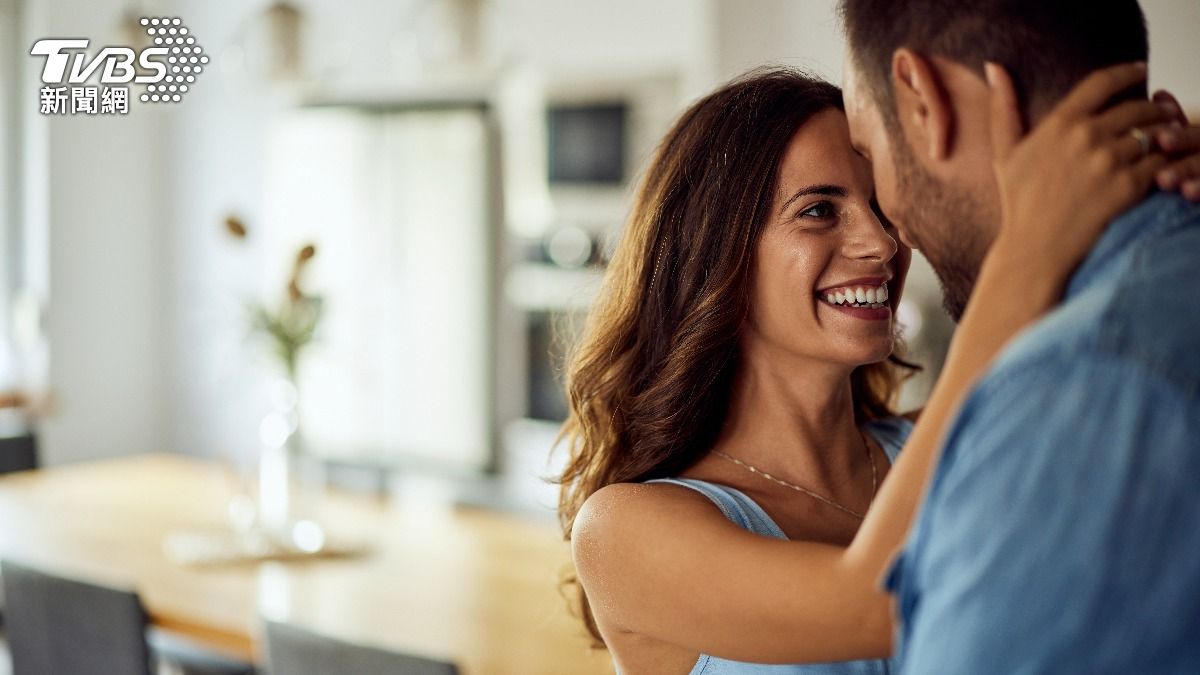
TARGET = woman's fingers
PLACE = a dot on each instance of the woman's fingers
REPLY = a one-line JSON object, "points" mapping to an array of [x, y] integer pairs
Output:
{"points": [[1141, 174], [1112, 192], [1174, 139], [1095, 90], [1182, 175], [1006, 126], [1166, 98], [1182, 147], [1085, 162], [1124, 116], [1128, 147]]}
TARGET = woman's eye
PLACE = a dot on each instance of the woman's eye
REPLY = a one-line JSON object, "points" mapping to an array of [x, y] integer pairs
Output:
{"points": [[820, 210]]}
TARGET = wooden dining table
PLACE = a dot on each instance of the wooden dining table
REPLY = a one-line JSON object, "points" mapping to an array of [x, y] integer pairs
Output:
{"points": [[468, 585]]}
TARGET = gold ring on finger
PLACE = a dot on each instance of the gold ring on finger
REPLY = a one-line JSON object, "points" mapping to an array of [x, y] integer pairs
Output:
{"points": [[1143, 140]]}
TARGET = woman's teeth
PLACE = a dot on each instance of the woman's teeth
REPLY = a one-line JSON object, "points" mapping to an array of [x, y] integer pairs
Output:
{"points": [[858, 297]]}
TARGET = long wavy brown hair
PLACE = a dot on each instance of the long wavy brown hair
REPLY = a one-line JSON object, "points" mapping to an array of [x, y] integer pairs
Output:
{"points": [[649, 383]]}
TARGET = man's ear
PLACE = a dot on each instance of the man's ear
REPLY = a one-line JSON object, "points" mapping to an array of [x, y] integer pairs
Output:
{"points": [[922, 106]]}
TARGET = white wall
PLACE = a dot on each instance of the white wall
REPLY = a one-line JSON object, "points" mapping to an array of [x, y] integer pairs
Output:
{"points": [[1174, 27], [9, 202], [806, 35], [214, 151], [632, 36], [100, 230]]}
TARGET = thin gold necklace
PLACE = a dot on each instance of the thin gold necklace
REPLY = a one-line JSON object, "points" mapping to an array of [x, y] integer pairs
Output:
{"points": [[810, 493]]}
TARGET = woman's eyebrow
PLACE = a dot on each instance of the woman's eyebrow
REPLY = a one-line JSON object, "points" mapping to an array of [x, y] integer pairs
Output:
{"points": [[827, 190]]}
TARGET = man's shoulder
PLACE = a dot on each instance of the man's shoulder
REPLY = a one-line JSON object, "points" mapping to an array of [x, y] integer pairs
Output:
{"points": [[1117, 351], [1082, 433], [1144, 312]]}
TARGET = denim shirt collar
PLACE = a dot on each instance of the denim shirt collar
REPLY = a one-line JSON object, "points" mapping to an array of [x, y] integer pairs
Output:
{"points": [[1146, 219]]}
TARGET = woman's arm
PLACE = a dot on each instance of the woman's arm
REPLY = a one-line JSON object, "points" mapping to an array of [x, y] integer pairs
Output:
{"points": [[662, 561], [659, 562]]}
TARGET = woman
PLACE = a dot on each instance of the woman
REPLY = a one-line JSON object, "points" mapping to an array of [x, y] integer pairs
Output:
{"points": [[736, 375]]}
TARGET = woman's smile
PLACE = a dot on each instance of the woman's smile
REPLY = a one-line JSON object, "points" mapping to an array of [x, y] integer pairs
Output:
{"points": [[866, 299]]}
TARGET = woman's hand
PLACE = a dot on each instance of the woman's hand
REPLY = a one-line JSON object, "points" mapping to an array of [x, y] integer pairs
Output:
{"points": [[1181, 143], [1082, 165]]}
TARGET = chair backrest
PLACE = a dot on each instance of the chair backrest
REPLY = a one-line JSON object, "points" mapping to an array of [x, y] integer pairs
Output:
{"points": [[18, 453], [58, 626], [295, 651]]}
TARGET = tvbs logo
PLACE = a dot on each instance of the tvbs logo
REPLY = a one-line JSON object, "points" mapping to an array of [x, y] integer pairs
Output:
{"points": [[167, 69], [117, 62]]}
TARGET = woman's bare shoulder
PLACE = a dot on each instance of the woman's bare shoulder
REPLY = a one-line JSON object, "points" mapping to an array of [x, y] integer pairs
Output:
{"points": [[623, 525], [631, 541], [621, 509]]}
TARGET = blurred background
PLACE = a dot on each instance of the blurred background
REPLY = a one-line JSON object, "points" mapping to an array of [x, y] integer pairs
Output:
{"points": [[346, 266]]}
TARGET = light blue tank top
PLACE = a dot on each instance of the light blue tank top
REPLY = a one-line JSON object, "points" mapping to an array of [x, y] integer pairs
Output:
{"points": [[891, 433]]}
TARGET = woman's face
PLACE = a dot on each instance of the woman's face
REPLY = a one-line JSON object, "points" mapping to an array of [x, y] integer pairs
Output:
{"points": [[828, 270]]}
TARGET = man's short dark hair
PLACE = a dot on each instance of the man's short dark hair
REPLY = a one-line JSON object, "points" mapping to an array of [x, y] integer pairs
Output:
{"points": [[1046, 45]]}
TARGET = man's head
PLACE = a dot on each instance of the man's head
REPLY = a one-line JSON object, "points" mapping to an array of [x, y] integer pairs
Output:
{"points": [[918, 104]]}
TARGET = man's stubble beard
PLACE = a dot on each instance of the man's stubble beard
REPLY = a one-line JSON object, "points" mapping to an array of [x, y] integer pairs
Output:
{"points": [[945, 224]]}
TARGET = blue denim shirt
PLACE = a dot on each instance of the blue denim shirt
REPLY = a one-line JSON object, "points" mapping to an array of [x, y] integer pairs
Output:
{"points": [[1061, 533]]}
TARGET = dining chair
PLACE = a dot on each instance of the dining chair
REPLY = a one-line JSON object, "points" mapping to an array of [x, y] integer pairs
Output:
{"points": [[61, 626], [18, 452], [296, 651]]}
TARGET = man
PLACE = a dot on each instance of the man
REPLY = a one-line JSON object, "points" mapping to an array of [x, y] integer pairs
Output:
{"points": [[1061, 532]]}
